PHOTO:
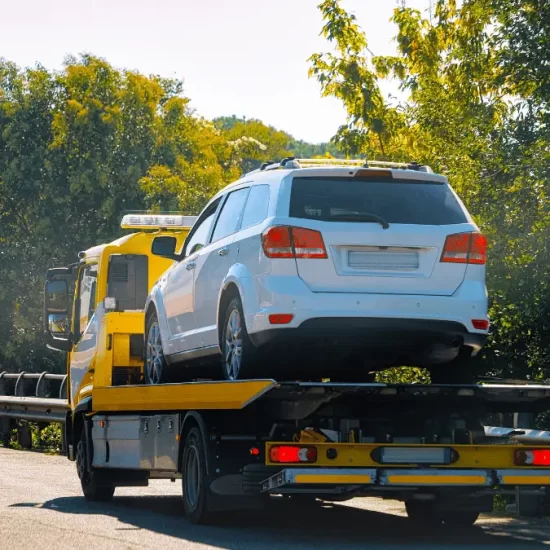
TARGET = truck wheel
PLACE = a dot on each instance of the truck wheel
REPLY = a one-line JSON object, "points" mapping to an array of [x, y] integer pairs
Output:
{"points": [[428, 514], [155, 363], [423, 513], [460, 518], [239, 356], [194, 485], [95, 488], [461, 370]]}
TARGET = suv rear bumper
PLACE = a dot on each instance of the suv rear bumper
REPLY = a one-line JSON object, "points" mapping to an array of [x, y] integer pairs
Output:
{"points": [[384, 329], [416, 341], [276, 294]]}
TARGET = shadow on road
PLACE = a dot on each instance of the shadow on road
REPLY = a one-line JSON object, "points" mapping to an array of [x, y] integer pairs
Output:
{"points": [[323, 526]]}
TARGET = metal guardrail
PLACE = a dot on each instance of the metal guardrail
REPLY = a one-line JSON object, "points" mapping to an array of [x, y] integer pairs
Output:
{"points": [[34, 397], [21, 384]]}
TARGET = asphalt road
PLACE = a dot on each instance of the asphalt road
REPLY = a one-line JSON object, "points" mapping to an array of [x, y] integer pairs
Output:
{"points": [[41, 507]]}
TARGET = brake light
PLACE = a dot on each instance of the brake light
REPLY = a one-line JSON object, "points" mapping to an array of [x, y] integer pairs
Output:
{"points": [[308, 243], [478, 249], [276, 242], [465, 248], [292, 454], [283, 241], [532, 457]]}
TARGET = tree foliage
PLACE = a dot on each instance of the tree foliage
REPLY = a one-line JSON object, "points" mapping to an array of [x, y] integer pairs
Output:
{"points": [[475, 80], [80, 147]]}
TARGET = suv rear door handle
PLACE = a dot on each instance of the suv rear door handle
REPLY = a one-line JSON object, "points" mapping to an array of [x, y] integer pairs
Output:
{"points": [[223, 252], [190, 266]]}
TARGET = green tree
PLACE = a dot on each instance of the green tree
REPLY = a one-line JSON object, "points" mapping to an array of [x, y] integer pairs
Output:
{"points": [[78, 148], [474, 78]]}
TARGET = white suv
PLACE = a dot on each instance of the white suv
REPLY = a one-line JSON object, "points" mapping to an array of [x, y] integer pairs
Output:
{"points": [[304, 269]]}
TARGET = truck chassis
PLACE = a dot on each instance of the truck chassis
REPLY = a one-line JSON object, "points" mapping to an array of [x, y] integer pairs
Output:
{"points": [[238, 444]]}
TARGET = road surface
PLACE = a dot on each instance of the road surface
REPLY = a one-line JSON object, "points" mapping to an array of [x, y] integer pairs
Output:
{"points": [[41, 507]]}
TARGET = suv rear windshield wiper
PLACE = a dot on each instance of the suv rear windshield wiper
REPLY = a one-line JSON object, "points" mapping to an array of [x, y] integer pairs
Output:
{"points": [[361, 217]]}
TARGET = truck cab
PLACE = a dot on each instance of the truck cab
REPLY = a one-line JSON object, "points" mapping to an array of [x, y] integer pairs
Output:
{"points": [[94, 307]]}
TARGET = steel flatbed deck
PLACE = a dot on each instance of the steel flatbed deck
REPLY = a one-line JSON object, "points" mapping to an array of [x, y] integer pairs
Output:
{"points": [[219, 395]]}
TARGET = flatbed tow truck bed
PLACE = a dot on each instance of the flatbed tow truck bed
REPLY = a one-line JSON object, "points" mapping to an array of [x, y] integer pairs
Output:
{"points": [[236, 443]]}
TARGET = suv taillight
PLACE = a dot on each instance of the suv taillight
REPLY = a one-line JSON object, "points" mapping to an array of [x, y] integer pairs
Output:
{"points": [[465, 248], [282, 241]]}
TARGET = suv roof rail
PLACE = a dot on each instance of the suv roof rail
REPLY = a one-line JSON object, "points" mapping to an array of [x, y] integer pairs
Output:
{"points": [[295, 163], [309, 163]]}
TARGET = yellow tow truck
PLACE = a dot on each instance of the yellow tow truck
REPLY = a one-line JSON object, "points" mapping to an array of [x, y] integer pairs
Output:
{"points": [[248, 443]]}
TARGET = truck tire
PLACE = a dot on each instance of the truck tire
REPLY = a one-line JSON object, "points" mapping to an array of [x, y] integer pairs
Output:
{"points": [[195, 491], [155, 366], [239, 355], [428, 514], [460, 518], [462, 370], [94, 486], [423, 513]]}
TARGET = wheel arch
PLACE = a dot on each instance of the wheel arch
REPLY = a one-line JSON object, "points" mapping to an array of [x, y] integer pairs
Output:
{"points": [[229, 292]]}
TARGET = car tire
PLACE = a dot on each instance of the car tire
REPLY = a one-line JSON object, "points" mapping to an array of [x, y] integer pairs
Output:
{"points": [[240, 357], [155, 366]]}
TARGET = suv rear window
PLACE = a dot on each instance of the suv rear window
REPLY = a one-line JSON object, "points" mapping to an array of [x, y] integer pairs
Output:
{"points": [[410, 202]]}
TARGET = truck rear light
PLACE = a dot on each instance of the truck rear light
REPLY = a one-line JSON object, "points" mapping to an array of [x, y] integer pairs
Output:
{"points": [[280, 318], [465, 248], [532, 457], [414, 455], [292, 454], [282, 241], [480, 324]]}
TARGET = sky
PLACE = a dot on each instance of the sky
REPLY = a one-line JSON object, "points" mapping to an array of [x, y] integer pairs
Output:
{"points": [[241, 57]]}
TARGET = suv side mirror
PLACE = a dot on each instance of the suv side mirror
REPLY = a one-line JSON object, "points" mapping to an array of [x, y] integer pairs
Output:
{"points": [[165, 246], [195, 248], [57, 315]]}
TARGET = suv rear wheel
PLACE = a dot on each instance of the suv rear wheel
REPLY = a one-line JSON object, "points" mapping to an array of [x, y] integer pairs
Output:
{"points": [[239, 355]]}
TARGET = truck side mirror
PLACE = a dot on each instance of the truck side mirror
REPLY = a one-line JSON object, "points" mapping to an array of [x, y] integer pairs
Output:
{"points": [[57, 315], [165, 246], [56, 296]]}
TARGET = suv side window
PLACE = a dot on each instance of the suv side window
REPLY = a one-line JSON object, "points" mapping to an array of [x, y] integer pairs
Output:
{"points": [[255, 211], [230, 216], [86, 296], [199, 235]]}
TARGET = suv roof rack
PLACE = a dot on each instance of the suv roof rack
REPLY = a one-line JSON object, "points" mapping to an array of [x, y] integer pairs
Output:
{"points": [[296, 163], [365, 163]]}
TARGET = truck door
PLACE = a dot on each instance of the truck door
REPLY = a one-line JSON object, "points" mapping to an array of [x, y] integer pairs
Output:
{"points": [[85, 328]]}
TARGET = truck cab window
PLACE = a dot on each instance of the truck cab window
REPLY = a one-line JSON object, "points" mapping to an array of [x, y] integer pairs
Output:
{"points": [[86, 295]]}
